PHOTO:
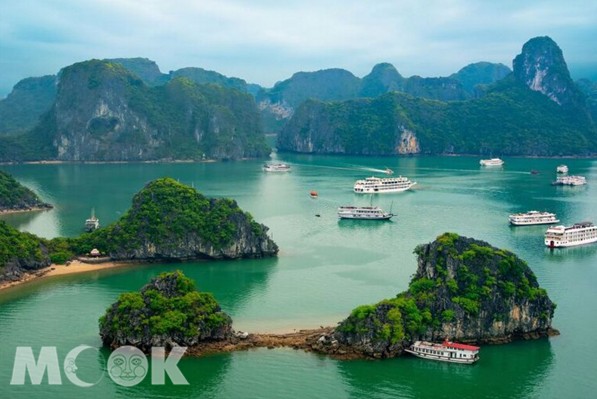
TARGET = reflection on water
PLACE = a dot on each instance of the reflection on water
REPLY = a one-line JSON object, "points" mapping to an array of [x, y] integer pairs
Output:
{"points": [[515, 370]]}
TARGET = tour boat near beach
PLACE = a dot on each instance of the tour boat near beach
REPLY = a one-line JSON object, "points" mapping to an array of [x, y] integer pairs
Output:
{"points": [[577, 234], [570, 181], [92, 223], [276, 167], [446, 351], [532, 217], [363, 213], [372, 185], [491, 162]]}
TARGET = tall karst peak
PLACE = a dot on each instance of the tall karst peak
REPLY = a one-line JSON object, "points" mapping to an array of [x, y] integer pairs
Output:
{"points": [[541, 66], [383, 78]]}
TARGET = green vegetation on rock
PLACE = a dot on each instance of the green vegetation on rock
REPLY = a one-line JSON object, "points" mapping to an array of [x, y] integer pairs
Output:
{"points": [[464, 289], [14, 196], [21, 248], [167, 311]]}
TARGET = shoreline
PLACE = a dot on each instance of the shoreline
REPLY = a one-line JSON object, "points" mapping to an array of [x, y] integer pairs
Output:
{"points": [[75, 267], [33, 209], [175, 161], [318, 340]]}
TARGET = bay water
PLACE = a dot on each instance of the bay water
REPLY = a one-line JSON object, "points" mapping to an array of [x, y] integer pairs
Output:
{"points": [[325, 268]]}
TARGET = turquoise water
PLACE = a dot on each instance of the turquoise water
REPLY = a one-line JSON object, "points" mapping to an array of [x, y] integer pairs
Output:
{"points": [[325, 268]]}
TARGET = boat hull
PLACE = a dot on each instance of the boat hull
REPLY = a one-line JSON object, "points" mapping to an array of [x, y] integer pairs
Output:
{"points": [[517, 223], [383, 190], [441, 358], [566, 244], [350, 217]]}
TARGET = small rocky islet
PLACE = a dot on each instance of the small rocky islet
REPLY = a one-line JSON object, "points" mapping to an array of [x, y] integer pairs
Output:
{"points": [[464, 289], [167, 221]]}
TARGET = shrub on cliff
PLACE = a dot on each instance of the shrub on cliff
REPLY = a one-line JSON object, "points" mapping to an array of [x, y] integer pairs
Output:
{"points": [[168, 311], [463, 289]]}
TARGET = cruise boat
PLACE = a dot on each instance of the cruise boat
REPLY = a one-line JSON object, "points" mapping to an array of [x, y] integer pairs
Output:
{"points": [[276, 167], [491, 162], [532, 217], [92, 223], [570, 181], [577, 234], [386, 185], [562, 169], [363, 213], [446, 351]]}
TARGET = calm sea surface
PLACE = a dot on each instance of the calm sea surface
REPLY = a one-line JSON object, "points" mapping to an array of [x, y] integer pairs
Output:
{"points": [[325, 268]]}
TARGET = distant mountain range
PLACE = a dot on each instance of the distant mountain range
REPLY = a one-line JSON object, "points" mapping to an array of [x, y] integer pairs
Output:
{"points": [[126, 109]]}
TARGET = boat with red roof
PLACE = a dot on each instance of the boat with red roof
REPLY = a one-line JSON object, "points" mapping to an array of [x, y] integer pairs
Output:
{"points": [[447, 351]]}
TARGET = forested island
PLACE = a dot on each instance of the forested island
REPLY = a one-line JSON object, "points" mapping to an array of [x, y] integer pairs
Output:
{"points": [[168, 221], [464, 289]]}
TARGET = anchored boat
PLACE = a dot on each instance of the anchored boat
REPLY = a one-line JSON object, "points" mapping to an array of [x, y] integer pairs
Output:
{"points": [[532, 218], [446, 351], [577, 234], [386, 185], [363, 213], [276, 167], [570, 181], [92, 223], [491, 162]]}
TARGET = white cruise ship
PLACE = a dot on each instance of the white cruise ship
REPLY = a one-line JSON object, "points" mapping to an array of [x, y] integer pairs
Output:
{"points": [[446, 351], [562, 169], [577, 234], [491, 162], [532, 217], [372, 185], [363, 213], [276, 167], [570, 181]]}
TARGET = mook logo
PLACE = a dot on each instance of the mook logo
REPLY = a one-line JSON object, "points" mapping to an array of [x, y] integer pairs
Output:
{"points": [[126, 366]]}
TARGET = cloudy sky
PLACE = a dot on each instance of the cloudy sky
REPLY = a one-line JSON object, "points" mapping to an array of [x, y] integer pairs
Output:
{"points": [[265, 41]]}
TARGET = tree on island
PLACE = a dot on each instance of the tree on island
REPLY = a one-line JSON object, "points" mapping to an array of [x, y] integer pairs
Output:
{"points": [[167, 312]]}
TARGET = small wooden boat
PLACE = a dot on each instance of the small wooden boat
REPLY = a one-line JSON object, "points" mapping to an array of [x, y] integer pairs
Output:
{"points": [[313, 194]]}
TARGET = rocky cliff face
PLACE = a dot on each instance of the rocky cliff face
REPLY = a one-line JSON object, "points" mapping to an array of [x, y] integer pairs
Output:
{"points": [[167, 312], [465, 290], [103, 112], [541, 67]]}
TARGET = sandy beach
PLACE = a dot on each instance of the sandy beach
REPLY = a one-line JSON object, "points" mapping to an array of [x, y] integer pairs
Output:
{"points": [[34, 209], [75, 267]]}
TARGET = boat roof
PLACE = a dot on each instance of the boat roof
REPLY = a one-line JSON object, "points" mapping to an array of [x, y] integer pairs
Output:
{"points": [[460, 346], [359, 207]]}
